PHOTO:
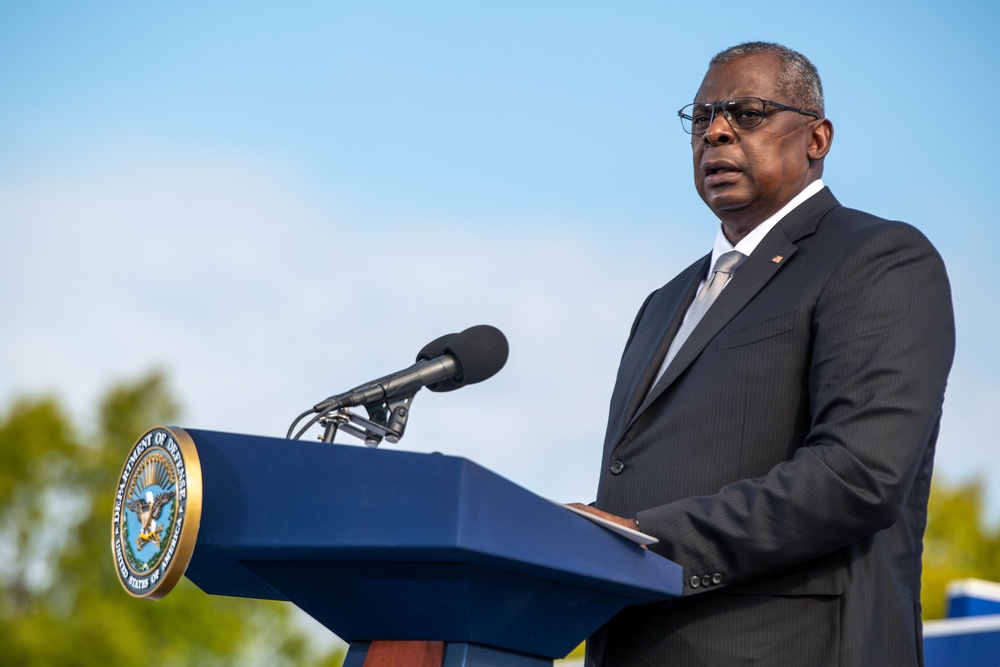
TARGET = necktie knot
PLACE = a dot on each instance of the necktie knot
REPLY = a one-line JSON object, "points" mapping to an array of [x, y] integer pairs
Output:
{"points": [[728, 262]]}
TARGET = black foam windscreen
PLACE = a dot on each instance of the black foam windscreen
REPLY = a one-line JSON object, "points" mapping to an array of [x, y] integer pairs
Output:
{"points": [[481, 351]]}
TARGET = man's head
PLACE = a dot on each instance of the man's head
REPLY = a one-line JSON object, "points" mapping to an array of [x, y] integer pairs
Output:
{"points": [[745, 175]]}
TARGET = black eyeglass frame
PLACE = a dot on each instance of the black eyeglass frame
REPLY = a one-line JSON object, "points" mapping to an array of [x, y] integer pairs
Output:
{"points": [[720, 106]]}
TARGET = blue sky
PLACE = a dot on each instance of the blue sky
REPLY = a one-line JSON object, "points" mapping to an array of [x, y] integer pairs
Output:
{"points": [[278, 201]]}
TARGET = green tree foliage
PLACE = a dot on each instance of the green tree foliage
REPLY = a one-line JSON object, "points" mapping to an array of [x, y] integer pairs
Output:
{"points": [[60, 601], [959, 543]]}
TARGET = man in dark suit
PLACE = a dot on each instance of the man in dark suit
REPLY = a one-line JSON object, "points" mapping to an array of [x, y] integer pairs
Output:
{"points": [[781, 447]]}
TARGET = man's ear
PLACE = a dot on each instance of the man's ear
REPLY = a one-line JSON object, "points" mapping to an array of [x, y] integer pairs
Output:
{"points": [[820, 139]]}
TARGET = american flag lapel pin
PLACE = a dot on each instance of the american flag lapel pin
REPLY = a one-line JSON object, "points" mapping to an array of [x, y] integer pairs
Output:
{"points": [[777, 258]]}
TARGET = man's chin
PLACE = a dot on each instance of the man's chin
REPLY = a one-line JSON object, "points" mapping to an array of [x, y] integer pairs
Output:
{"points": [[726, 201]]}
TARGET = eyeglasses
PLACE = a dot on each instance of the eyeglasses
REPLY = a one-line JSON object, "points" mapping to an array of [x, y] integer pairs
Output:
{"points": [[742, 113]]}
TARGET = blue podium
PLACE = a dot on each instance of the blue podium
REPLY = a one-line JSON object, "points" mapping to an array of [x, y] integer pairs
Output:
{"points": [[970, 635], [389, 546]]}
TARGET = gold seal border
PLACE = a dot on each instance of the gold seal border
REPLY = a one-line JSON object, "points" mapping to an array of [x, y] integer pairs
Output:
{"points": [[192, 515]]}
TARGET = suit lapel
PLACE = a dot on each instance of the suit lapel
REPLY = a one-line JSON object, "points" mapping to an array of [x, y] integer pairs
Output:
{"points": [[647, 345], [757, 271], [647, 351]]}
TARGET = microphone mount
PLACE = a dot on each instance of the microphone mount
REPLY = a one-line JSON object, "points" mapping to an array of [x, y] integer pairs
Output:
{"points": [[386, 420]]}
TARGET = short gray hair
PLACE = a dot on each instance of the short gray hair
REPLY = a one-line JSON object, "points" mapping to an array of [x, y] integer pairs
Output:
{"points": [[799, 78]]}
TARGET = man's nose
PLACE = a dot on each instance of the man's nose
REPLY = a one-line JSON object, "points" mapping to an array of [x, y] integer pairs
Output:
{"points": [[720, 131]]}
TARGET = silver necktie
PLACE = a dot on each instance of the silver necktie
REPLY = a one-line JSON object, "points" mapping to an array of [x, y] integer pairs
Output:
{"points": [[725, 267]]}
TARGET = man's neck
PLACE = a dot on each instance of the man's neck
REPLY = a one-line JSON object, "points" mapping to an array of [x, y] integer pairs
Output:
{"points": [[736, 230], [749, 241]]}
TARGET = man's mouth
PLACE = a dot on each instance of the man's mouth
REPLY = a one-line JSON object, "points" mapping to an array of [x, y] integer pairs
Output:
{"points": [[720, 174], [712, 167]]}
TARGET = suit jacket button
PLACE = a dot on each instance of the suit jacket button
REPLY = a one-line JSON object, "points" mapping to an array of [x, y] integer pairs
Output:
{"points": [[706, 580], [695, 582], [617, 467], [716, 578]]}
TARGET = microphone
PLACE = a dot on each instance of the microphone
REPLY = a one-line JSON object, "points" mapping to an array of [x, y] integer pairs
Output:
{"points": [[445, 364]]}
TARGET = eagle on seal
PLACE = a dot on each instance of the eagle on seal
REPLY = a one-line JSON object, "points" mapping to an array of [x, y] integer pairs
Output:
{"points": [[148, 510]]}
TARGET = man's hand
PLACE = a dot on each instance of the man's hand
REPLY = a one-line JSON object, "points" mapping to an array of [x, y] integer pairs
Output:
{"points": [[621, 521]]}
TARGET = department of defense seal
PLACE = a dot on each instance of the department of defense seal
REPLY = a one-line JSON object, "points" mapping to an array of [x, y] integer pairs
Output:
{"points": [[157, 512]]}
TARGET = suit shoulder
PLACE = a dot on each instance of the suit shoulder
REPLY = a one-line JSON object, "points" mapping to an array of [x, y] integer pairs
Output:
{"points": [[672, 293], [854, 227], [683, 279], [856, 221]]}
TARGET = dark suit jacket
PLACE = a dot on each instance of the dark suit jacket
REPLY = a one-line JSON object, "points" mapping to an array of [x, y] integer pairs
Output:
{"points": [[784, 459]]}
